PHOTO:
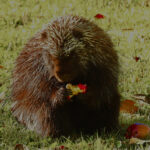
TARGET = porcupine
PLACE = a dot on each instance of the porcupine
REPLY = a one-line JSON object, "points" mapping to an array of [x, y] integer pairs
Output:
{"points": [[70, 49]]}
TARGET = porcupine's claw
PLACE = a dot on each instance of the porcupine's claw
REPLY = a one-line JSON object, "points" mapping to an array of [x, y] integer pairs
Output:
{"points": [[68, 92]]}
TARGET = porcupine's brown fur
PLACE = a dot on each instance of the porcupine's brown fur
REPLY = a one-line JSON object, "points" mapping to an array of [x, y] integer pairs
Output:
{"points": [[73, 50]]}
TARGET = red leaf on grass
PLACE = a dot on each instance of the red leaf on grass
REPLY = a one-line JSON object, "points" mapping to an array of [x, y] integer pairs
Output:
{"points": [[99, 16], [137, 58], [62, 147]]}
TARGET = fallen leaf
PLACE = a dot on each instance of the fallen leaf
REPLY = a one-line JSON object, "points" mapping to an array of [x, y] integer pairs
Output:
{"points": [[137, 79], [142, 97], [128, 106], [137, 58], [138, 141], [19, 147], [128, 29], [62, 147], [1, 67], [99, 16]]}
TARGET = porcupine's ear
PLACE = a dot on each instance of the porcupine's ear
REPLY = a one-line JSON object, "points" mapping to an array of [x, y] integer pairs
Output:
{"points": [[77, 32]]}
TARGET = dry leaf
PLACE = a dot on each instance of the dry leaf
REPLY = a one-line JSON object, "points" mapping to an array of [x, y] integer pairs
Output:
{"points": [[19, 147], [128, 106], [142, 97], [128, 29], [62, 147], [138, 141], [1, 67]]}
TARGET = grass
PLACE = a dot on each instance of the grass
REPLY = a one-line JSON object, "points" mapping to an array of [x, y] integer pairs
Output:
{"points": [[19, 20]]}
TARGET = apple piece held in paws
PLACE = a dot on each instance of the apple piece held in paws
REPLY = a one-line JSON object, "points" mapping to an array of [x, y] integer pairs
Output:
{"points": [[76, 89]]}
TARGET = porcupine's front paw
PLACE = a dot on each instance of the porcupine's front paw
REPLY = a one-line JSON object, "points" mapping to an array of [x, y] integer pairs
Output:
{"points": [[61, 96], [64, 93]]}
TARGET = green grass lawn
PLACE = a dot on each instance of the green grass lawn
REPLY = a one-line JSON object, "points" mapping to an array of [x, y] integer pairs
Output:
{"points": [[128, 24]]}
